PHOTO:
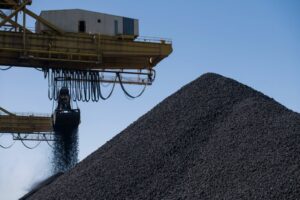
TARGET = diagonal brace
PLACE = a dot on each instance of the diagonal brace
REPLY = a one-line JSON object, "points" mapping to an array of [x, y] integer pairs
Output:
{"points": [[45, 22], [13, 22], [6, 19]]}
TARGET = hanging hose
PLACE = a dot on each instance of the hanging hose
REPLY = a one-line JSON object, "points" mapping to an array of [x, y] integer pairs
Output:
{"points": [[50, 145], [25, 137], [9, 146], [126, 92], [77, 105], [28, 147], [87, 85], [41, 70], [19, 136], [109, 95], [104, 85], [5, 68], [152, 75]]}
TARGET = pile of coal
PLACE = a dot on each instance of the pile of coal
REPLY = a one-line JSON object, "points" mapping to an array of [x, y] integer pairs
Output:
{"points": [[65, 151], [213, 139]]}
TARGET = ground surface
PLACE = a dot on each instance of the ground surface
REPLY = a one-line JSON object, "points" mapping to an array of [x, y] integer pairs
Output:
{"points": [[213, 139]]}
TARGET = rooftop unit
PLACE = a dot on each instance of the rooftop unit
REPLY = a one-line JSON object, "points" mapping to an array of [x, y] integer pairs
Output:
{"points": [[82, 21]]}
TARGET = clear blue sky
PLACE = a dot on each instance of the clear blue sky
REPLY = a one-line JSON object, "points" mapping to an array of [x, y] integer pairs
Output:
{"points": [[253, 41]]}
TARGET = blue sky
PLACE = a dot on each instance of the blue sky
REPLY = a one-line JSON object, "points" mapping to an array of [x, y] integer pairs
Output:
{"points": [[255, 42]]}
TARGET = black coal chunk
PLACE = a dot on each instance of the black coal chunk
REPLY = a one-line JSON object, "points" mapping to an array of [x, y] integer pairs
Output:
{"points": [[213, 139]]}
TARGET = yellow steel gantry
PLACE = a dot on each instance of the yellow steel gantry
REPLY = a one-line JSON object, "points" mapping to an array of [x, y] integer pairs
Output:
{"points": [[58, 50]]}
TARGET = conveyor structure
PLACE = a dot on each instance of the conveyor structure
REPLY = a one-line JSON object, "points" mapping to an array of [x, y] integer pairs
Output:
{"points": [[25, 127]]}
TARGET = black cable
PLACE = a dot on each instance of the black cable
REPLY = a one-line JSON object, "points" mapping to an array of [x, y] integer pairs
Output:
{"points": [[6, 68], [25, 145], [73, 90], [39, 69], [81, 87], [152, 75], [87, 85], [94, 87], [97, 86], [49, 84], [9, 146], [76, 85], [48, 141], [84, 82], [104, 85], [109, 95], [46, 71], [77, 105], [127, 93]]}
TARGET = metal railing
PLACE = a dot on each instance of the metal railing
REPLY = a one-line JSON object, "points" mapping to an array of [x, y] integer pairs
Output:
{"points": [[26, 114], [29, 114], [153, 40]]}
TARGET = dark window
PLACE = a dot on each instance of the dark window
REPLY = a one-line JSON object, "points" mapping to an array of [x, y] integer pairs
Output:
{"points": [[116, 27], [128, 26], [99, 20], [81, 27]]}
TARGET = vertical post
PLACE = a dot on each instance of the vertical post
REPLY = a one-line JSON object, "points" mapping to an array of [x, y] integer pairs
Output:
{"points": [[98, 47], [24, 31], [16, 20]]}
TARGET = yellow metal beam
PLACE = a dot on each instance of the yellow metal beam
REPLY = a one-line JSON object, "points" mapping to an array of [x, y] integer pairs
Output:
{"points": [[13, 123], [25, 124], [80, 51]]}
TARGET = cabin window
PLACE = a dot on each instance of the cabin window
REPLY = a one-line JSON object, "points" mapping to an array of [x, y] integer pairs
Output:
{"points": [[81, 27], [128, 26], [99, 20]]}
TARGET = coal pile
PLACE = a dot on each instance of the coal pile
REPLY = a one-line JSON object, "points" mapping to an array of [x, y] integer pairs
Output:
{"points": [[65, 151], [40, 185], [213, 139]]}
